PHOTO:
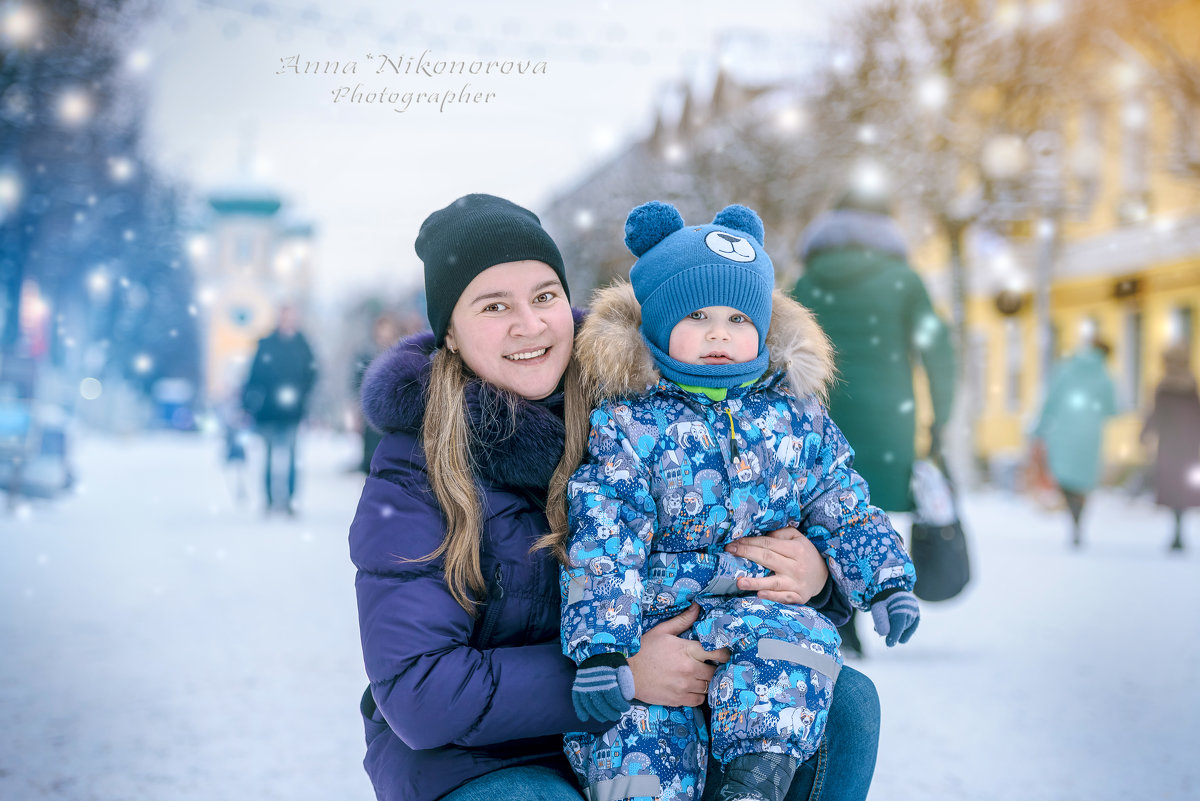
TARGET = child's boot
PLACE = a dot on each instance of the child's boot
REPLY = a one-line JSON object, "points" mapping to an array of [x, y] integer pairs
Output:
{"points": [[758, 777]]}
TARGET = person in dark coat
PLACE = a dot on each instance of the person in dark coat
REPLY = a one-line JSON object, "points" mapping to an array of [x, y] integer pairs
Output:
{"points": [[1175, 422], [876, 311], [276, 397], [469, 692]]}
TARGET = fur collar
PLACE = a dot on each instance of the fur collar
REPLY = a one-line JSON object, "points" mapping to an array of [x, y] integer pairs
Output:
{"points": [[517, 443], [614, 358]]}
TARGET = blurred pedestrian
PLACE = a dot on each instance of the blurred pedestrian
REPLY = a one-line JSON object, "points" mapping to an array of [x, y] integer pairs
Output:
{"points": [[276, 397], [1070, 428], [876, 310], [234, 426], [1175, 421], [386, 331]]}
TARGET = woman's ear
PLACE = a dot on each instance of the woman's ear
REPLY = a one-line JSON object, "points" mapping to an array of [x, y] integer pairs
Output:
{"points": [[450, 343]]}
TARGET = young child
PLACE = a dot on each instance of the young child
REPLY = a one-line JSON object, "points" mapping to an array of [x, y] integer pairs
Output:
{"points": [[709, 430]]}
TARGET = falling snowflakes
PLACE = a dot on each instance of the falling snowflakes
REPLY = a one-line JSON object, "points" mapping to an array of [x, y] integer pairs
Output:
{"points": [[90, 388], [933, 91], [120, 169], [10, 189], [927, 331], [287, 396], [906, 406], [20, 24], [74, 107]]}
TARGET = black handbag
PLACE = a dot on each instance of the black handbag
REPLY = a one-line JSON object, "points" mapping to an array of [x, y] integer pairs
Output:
{"points": [[938, 547]]}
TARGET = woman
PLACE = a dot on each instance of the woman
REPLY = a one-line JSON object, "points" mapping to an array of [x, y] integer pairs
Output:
{"points": [[1175, 419], [1070, 427], [875, 309], [470, 692]]}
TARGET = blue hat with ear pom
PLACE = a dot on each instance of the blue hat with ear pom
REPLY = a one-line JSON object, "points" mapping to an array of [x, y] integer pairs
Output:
{"points": [[684, 268]]}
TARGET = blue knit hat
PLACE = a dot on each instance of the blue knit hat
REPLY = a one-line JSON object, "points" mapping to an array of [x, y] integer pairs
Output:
{"points": [[681, 269]]}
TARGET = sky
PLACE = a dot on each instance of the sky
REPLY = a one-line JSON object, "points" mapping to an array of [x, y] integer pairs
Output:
{"points": [[226, 108]]}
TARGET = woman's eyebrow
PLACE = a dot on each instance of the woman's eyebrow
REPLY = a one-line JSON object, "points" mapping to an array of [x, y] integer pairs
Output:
{"points": [[504, 293], [499, 293]]}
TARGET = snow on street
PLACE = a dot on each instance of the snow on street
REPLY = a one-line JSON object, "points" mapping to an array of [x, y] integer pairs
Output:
{"points": [[159, 640]]}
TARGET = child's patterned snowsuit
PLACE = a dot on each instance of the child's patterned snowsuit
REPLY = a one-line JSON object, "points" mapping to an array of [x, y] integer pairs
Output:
{"points": [[671, 477]]}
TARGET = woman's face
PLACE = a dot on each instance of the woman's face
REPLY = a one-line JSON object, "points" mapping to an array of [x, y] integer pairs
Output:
{"points": [[513, 327]]}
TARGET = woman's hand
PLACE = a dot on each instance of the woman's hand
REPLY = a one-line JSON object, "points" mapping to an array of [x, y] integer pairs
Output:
{"points": [[798, 571], [670, 671]]}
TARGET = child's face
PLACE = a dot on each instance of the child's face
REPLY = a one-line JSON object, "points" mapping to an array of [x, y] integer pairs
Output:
{"points": [[714, 335]]}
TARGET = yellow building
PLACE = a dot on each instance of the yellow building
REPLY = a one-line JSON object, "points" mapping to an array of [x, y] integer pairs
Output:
{"points": [[249, 260], [1124, 246]]}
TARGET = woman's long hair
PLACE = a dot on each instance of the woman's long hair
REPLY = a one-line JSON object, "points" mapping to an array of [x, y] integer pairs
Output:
{"points": [[448, 454], [578, 400]]}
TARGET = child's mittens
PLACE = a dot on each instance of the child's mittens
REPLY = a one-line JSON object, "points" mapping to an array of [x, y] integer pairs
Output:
{"points": [[603, 687], [896, 617]]}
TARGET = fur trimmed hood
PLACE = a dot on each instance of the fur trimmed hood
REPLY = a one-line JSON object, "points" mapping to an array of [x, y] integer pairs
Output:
{"points": [[848, 228], [615, 360], [516, 443]]}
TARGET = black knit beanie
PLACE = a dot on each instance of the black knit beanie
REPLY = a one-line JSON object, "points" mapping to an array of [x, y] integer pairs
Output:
{"points": [[470, 235]]}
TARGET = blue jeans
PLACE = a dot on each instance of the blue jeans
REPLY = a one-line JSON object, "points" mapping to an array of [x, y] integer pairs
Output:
{"points": [[841, 770], [533, 782], [280, 439]]}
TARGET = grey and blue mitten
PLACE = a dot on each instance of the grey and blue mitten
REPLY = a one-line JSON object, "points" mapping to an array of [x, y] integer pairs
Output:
{"points": [[603, 687], [896, 616]]}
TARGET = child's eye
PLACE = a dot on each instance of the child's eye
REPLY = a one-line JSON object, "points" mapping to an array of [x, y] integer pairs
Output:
{"points": [[545, 297], [696, 315], [492, 307], [738, 318]]}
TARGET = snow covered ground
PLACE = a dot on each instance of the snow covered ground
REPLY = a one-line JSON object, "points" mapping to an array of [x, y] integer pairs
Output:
{"points": [[159, 640]]}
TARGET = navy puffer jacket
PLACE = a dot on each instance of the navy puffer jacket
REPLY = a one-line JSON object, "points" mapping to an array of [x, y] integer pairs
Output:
{"points": [[454, 697]]}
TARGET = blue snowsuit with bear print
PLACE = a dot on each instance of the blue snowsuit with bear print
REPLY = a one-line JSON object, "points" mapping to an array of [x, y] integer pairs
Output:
{"points": [[670, 478]]}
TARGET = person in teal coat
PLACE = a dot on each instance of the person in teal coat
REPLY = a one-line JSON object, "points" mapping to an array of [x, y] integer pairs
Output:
{"points": [[876, 311], [1070, 428]]}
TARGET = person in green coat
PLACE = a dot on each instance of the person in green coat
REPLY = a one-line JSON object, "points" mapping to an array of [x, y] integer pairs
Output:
{"points": [[876, 310], [1070, 428]]}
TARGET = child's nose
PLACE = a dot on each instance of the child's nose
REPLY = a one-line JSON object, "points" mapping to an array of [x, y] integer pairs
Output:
{"points": [[718, 331]]}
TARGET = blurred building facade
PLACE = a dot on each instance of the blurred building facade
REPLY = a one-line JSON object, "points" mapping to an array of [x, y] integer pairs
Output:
{"points": [[1115, 230], [1085, 223], [250, 256]]}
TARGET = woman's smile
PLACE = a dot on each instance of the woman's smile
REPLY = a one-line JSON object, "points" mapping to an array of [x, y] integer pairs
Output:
{"points": [[527, 355]]}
